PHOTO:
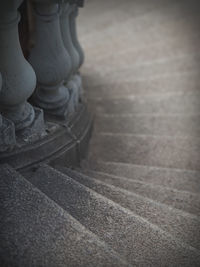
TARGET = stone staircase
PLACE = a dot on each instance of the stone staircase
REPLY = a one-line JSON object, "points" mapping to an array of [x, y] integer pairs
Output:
{"points": [[135, 200]]}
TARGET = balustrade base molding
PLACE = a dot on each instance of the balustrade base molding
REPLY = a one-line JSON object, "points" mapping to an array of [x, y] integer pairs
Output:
{"points": [[64, 142], [34, 132], [7, 135], [61, 109]]}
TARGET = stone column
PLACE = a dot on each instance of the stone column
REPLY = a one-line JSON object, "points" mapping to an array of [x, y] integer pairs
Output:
{"points": [[50, 61], [7, 131], [19, 79], [74, 82]]}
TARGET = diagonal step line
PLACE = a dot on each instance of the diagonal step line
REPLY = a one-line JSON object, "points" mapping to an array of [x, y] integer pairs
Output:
{"points": [[126, 198], [125, 210], [170, 208], [149, 167], [144, 135], [143, 183], [74, 224]]}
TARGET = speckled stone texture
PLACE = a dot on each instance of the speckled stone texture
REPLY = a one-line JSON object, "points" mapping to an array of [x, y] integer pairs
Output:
{"points": [[136, 198], [135, 239], [35, 231], [182, 225], [184, 180], [142, 81]]}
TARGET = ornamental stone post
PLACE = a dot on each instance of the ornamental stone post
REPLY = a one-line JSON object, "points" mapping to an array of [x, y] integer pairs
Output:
{"points": [[74, 82], [50, 61], [19, 79], [73, 30], [74, 35]]}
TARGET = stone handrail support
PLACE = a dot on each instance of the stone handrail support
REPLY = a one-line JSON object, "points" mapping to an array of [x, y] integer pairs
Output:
{"points": [[48, 80]]}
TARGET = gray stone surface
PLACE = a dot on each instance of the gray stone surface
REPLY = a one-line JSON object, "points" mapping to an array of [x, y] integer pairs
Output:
{"points": [[181, 225], [179, 125], [158, 151], [178, 82], [35, 231], [186, 201], [173, 178], [150, 104], [7, 135], [36, 131], [137, 240]]}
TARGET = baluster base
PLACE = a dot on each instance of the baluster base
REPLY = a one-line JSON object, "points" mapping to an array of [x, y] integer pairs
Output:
{"points": [[63, 143], [34, 132], [59, 106], [7, 135]]}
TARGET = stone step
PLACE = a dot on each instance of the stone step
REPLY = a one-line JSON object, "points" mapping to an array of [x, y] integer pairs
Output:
{"points": [[141, 51], [134, 238], [160, 84], [183, 180], [159, 23], [35, 231], [164, 125], [168, 104], [152, 43], [181, 225], [183, 200], [115, 12], [157, 151], [142, 70]]}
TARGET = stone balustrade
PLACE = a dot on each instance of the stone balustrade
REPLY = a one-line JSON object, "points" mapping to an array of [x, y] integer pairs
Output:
{"points": [[48, 80]]}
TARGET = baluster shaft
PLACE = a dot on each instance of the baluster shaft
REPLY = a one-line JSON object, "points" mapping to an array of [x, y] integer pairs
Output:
{"points": [[19, 79], [50, 61]]}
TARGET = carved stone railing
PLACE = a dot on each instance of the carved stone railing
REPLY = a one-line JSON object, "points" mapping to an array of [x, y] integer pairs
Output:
{"points": [[46, 82]]}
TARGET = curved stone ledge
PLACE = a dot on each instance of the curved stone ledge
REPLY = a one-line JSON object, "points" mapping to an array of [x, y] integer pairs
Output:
{"points": [[65, 144]]}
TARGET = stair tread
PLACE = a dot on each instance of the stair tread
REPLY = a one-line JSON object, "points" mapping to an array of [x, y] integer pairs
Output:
{"points": [[182, 225], [185, 103], [169, 125], [35, 231], [178, 82], [158, 22], [139, 241], [107, 13], [186, 201], [185, 180], [158, 151]]}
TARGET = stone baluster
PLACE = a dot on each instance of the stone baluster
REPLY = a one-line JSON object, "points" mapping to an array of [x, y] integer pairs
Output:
{"points": [[7, 132], [50, 61], [19, 79], [73, 28], [74, 82]]}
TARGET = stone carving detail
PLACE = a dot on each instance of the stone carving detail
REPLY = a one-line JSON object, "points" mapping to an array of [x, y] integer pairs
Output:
{"points": [[50, 61], [19, 79], [7, 132]]}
